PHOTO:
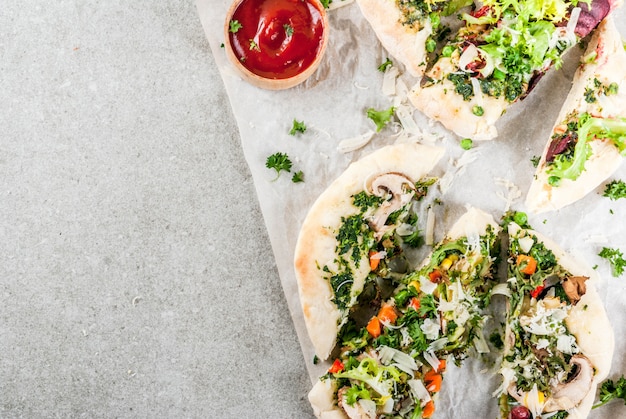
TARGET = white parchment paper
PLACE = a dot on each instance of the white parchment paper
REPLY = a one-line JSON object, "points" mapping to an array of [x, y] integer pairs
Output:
{"points": [[492, 176]]}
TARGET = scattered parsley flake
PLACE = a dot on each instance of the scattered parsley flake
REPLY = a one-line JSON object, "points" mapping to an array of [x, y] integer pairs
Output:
{"points": [[615, 258], [610, 390], [254, 46], [380, 118], [615, 190], [298, 177], [288, 29], [535, 160], [234, 26], [297, 127], [279, 162], [384, 66]]}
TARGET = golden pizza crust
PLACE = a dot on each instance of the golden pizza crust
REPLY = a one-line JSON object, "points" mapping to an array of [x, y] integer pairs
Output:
{"points": [[608, 67], [316, 243]]}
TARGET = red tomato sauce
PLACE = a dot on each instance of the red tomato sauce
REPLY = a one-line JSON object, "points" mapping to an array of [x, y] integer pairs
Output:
{"points": [[276, 39]]}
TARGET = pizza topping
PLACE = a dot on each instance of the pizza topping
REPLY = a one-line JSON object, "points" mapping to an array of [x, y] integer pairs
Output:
{"points": [[575, 288], [569, 394], [569, 165], [396, 190]]}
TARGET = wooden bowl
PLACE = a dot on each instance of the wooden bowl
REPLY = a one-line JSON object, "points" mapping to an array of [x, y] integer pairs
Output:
{"points": [[276, 44]]}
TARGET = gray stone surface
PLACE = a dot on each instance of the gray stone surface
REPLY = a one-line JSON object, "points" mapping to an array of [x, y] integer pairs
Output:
{"points": [[136, 276]]}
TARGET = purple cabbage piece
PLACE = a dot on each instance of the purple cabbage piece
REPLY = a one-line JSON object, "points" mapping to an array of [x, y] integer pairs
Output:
{"points": [[558, 146], [591, 17]]}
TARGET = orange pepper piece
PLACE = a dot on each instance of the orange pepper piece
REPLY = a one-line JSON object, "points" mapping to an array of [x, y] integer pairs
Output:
{"points": [[432, 381], [414, 303], [387, 314], [435, 276], [429, 409], [527, 264], [373, 327], [374, 262]]}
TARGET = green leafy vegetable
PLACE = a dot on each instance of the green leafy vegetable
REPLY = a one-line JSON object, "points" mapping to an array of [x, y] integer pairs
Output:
{"points": [[297, 127], [615, 190], [380, 118], [610, 390], [279, 162], [615, 258], [565, 167]]}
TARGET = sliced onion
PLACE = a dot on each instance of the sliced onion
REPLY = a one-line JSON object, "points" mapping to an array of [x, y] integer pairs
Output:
{"points": [[468, 56]]}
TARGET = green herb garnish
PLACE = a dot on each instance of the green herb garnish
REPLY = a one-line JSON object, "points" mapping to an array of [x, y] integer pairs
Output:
{"points": [[610, 390], [298, 177], [279, 162], [615, 258], [380, 118], [615, 190], [297, 127], [234, 26], [384, 66]]}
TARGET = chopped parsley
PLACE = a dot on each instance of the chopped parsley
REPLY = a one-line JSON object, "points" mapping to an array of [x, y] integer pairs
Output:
{"points": [[384, 66], [254, 46], [535, 160], [279, 162], [298, 177], [297, 127], [288, 29], [610, 390], [615, 258], [380, 118], [234, 26], [615, 190]]}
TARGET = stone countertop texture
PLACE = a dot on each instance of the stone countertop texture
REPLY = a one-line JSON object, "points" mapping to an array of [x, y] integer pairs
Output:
{"points": [[136, 276]]}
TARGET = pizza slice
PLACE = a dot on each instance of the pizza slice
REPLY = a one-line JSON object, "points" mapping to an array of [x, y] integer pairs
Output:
{"points": [[408, 29], [588, 141], [498, 57], [558, 342], [354, 235], [392, 365]]}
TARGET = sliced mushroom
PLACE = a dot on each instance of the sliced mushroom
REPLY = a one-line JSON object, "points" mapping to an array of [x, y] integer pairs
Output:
{"points": [[569, 394], [575, 287], [392, 187]]}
